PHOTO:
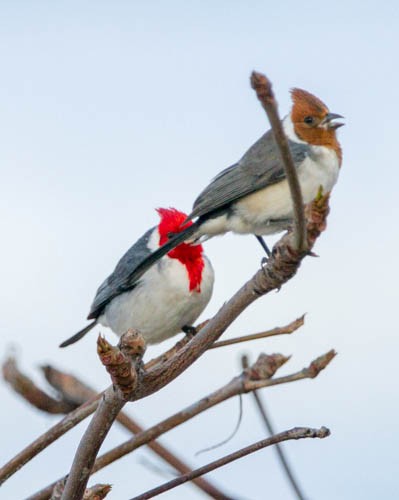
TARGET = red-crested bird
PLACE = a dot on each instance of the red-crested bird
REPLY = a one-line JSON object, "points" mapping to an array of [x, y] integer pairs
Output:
{"points": [[253, 196], [169, 297]]}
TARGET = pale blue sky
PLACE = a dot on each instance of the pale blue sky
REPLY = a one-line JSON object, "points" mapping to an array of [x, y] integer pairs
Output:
{"points": [[110, 109]]}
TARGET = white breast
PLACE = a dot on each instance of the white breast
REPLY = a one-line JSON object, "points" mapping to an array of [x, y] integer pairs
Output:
{"points": [[162, 302], [261, 211]]}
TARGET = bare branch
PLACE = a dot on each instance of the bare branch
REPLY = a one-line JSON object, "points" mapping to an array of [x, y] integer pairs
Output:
{"points": [[279, 330], [24, 386], [233, 388], [171, 458], [263, 87], [162, 358], [173, 350], [296, 433], [123, 364], [110, 405], [68, 386], [72, 387], [271, 430], [96, 492], [67, 423], [76, 392], [247, 382], [311, 371]]}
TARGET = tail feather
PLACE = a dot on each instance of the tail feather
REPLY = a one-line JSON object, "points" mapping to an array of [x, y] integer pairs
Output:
{"points": [[79, 335], [149, 261]]}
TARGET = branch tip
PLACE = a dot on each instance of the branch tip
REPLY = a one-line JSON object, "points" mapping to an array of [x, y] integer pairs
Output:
{"points": [[296, 433], [103, 345], [119, 361], [320, 363], [132, 344], [97, 492], [262, 86], [26, 388], [265, 366]]}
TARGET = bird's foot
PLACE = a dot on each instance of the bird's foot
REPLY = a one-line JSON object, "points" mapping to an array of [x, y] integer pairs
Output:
{"points": [[263, 264], [189, 330]]}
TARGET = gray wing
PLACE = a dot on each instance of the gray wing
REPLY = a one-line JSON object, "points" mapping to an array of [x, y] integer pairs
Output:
{"points": [[259, 167], [118, 282]]}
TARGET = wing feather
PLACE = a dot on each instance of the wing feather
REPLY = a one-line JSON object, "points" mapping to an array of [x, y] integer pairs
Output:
{"points": [[259, 167], [119, 282]]}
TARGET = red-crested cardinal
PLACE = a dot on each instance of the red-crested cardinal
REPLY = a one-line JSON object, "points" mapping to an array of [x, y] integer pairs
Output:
{"points": [[169, 297], [253, 196]]}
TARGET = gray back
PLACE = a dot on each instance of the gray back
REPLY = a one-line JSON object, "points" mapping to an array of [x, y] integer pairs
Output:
{"points": [[115, 284], [260, 166]]}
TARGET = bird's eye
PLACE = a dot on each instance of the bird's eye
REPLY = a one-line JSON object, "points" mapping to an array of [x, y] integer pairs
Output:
{"points": [[309, 120]]}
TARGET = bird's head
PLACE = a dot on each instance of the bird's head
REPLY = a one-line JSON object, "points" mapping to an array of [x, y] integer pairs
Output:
{"points": [[190, 255], [313, 122]]}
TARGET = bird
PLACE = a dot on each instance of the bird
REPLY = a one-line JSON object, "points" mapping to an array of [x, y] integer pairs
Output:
{"points": [[252, 196], [167, 299]]}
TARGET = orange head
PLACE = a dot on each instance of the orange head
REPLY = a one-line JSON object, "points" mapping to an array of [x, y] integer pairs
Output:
{"points": [[190, 255], [312, 121]]}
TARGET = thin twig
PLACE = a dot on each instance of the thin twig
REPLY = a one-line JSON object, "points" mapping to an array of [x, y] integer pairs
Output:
{"points": [[72, 389], [68, 386], [165, 453], [231, 389], [238, 385], [67, 423], [296, 433], [279, 450], [24, 386], [279, 330], [76, 392], [263, 87]]}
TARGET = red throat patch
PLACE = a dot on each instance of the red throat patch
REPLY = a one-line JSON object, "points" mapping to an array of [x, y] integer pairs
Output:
{"points": [[189, 255]]}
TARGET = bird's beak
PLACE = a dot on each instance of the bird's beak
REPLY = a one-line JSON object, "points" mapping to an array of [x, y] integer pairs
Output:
{"points": [[329, 123]]}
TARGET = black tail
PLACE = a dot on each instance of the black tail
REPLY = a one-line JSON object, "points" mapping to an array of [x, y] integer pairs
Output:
{"points": [[79, 335], [149, 261]]}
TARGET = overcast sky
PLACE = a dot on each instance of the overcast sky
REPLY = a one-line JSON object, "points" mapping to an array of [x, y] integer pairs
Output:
{"points": [[111, 109]]}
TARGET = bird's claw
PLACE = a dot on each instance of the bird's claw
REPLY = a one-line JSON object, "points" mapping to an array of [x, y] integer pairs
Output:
{"points": [[263, 264], [189, 330]]}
